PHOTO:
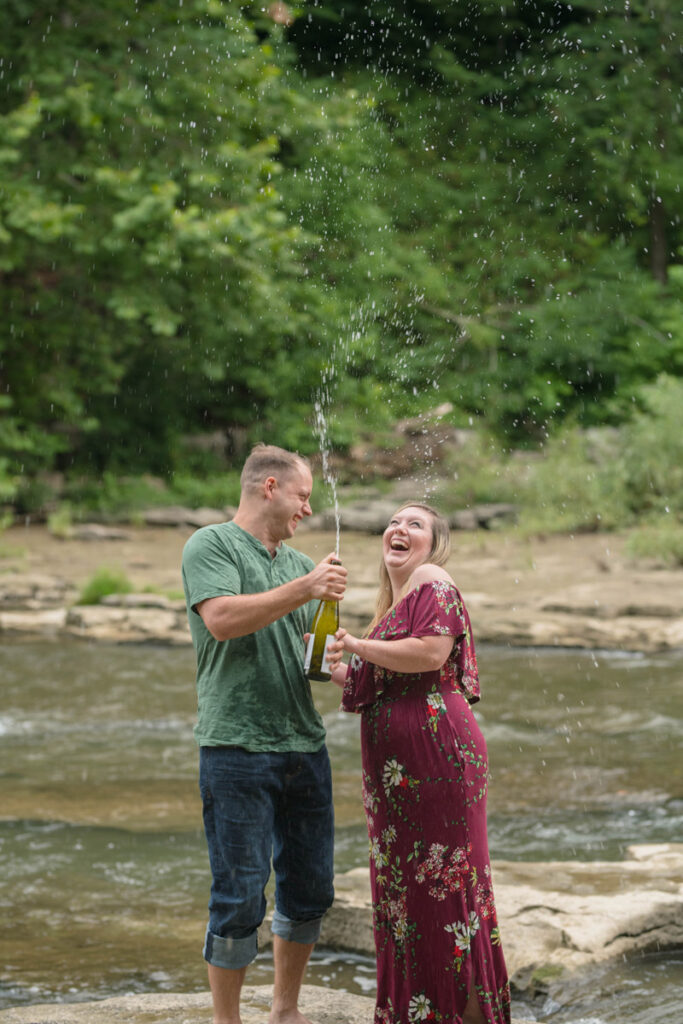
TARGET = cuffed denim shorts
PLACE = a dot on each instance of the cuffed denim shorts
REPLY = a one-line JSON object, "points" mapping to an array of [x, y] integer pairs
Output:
{"points": [[258, 806]]}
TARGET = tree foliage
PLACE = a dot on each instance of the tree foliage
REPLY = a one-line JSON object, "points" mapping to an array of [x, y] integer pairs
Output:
{"points": [[210, 218]]}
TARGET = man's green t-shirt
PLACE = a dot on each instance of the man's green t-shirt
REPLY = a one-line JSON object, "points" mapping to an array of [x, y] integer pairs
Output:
{"points": [[251, 691]]}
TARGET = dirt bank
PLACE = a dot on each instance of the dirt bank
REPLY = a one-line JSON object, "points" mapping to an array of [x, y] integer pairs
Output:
{"points": [[578, 591]]}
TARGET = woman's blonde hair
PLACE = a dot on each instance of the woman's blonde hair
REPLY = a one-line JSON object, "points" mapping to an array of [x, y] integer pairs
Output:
{"points": [[438, 555]]}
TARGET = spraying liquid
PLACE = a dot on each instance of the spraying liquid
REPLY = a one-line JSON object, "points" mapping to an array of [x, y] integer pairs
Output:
{"points": [[328, 475]]}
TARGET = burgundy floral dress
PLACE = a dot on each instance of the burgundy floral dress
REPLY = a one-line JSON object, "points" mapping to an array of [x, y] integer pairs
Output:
{"points": [[424, 790]]}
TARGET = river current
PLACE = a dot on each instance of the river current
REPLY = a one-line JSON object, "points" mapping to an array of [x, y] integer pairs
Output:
{"points": [[104, 875]]}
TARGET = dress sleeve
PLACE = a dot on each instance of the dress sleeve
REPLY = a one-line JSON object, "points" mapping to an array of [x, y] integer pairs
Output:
{"points": [[438, 611], [432, 609]]}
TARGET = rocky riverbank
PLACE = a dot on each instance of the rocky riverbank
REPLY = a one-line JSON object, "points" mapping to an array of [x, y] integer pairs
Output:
{"points": [[566, 591], [557, 921], [556, 918], [322, 1005]]}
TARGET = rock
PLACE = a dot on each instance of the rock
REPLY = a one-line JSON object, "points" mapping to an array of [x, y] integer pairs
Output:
{"points": [[43, 621], [147, 600], [524, 627], [372, 515], [177, 515], [367, 516], [208, 516], [609, 600], [358, 606], [463, 519], [574, 914], [489, 516], [33, 590], [557, 918], [483, 517], [322, 1005], [97, 531], [128, 624], [548, 595]]}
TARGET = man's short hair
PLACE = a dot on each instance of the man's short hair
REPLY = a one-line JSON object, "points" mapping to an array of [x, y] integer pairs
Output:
{"points": [[266, 460]]}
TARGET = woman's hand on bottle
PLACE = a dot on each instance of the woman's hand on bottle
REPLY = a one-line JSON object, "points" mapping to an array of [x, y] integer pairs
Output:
{"points": [[343, 641]]}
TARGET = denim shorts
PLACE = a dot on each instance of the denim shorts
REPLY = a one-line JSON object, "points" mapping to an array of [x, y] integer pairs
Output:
{"points": [[258, 806]]}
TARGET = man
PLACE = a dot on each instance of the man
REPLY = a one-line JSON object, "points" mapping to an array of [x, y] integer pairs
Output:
{"points": [[264, 770]]}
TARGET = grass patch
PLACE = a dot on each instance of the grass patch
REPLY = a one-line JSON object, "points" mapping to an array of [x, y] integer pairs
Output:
{"points": [[172, 595], [102, 583], [660, 539], [60, 522], [125, 498], [217, 491], [579, 485], [481, 472]]}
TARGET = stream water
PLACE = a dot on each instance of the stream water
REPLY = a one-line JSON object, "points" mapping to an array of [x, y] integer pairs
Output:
{"points": [[103, 870]]}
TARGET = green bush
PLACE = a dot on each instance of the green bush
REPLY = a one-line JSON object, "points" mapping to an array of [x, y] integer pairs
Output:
{"points": [[217, 491], [60, 522], [105, 581], [481, 471], [117, 497], [8, 484], [660, 539], [578, 485], [113, 496], [653, 449]]}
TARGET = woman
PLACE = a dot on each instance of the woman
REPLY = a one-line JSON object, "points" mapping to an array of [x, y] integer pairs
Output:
{"points": [[413, 678]]}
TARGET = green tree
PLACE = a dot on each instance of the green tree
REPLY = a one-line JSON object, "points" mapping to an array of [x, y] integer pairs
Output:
{"points": [[150, 280], [517, 169]]}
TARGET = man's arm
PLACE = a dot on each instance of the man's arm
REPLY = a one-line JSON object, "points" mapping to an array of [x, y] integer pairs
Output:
{"points": [[228, 617]]}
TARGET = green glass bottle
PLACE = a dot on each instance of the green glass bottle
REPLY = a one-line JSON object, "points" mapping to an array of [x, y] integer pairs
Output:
{"points": [[325, 625]]}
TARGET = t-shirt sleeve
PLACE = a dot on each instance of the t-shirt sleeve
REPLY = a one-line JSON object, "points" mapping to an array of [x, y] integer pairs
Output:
{"points": [[438, 611], [209, 568]]}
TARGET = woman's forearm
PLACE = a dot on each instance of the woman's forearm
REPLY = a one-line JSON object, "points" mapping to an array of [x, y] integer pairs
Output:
{"points": [[409, 654]]}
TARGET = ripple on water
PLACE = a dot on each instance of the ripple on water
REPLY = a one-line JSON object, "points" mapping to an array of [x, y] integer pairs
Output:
{"points": [[584, 757]]}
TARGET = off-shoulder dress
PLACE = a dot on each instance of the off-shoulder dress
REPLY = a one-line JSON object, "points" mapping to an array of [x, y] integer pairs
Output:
{"points": [[425, 774]]}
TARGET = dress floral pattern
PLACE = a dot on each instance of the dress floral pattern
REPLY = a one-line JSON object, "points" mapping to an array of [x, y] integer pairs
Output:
{"points": [[425, 775]]}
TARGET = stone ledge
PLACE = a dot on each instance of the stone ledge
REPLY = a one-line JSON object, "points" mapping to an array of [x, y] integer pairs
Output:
{"points": [[560, 915], [321, 1005], [145, 618]]}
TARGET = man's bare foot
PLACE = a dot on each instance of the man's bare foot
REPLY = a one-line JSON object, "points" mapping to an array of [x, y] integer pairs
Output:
{"points": [[287, 1017]]}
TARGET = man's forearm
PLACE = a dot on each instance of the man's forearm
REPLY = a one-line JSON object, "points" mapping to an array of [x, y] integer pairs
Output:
{"points": [[229, 617]]}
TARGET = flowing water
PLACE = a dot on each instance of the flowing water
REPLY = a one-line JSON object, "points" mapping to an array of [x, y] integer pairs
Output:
{"points": [[104, 875]]}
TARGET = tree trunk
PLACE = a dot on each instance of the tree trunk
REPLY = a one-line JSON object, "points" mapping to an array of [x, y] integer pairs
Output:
{"points": [[658, 251]]}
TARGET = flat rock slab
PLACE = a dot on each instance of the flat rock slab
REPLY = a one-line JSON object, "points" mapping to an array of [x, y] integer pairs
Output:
{"points": [[324, 1006], [560, 591], [555, 918], [320, 1005], [128, 623]]}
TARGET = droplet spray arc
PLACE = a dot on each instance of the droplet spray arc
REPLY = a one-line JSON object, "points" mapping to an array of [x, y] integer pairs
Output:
{"points": [[328, 475], [326, 620]]}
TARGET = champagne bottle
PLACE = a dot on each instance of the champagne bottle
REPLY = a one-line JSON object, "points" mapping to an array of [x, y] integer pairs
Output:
{"points": [[325, 625]]}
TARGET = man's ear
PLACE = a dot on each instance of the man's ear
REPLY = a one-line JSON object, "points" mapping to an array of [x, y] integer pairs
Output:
{"points": [[269, 487]]}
